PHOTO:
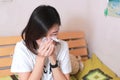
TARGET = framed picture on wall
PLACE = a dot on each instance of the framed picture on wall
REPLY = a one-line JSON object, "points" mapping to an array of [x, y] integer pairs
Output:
{"points": [[113, 8]]}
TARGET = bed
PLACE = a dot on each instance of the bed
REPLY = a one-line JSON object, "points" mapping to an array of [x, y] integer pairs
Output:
{"points": [[93, 69]]}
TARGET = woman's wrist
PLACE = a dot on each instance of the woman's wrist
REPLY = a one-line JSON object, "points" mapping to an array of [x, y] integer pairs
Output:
{"points": [[40, 58], [54, 65], [52, 60]]}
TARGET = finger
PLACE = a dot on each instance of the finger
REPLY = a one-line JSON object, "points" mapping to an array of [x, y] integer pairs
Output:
{"points": [[47, 45], [44, 45], [48, 51], [45, 48], [51, 50]]}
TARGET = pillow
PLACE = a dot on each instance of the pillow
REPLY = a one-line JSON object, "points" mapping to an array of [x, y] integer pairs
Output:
{"points": [[11, 77], [6, 78], [72, 78], [76, 64], [116, 78], [94, 69]]}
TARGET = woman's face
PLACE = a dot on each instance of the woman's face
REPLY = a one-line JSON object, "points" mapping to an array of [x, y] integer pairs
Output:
{"points": [[53, 32]]}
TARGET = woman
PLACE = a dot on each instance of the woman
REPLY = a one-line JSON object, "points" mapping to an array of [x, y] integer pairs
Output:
{"points": [[38, 56]]}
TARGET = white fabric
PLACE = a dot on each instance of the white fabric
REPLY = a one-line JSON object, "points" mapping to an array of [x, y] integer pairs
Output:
{"points": [[24, 60]]}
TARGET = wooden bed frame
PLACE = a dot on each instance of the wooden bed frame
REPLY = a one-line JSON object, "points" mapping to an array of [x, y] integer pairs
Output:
{"points": [[76, 41]]}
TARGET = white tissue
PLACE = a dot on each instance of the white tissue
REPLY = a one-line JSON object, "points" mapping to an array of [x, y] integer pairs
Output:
{"points": [[44, 39], [55, 39]]}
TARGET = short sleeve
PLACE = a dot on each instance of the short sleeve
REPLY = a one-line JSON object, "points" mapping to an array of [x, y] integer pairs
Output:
{"points": [[65, 62], [20, 62]]}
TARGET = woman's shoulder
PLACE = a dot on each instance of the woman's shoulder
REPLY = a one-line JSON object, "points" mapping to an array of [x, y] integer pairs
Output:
{"points": [[63, 50], [20, 44], [20, 47], [22, 50], [63, 43]]}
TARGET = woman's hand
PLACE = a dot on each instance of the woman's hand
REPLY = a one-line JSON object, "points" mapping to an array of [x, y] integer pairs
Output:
{"points": [[46, 48]]}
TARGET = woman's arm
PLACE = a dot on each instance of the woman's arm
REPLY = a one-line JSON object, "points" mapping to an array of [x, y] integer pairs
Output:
{"points": [[44, 51], [57, 73], [36, 74]]}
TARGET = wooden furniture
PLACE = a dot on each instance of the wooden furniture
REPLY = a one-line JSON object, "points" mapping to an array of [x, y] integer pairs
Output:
{"points": [[76, 42], [6, 51]]}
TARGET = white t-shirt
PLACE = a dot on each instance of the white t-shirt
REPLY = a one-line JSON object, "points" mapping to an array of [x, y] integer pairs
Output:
{"points": [[24, 60]]}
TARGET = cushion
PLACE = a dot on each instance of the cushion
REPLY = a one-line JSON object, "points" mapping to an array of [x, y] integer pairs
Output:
{"points": [[6, 78], [94, 69], [76, 64], [72, 78], [116, 78], [11, 77]]}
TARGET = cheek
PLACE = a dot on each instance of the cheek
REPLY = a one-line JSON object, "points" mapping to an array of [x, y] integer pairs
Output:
{"points": [[49, 35]]}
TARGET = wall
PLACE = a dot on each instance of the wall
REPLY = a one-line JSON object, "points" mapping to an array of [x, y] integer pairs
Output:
{"points": [[102, 32], [103, 38], [14, 15]]}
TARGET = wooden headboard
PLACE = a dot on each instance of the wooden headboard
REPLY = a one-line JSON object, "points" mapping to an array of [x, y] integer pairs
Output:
{"points": [[76, 41], [7, 45]]}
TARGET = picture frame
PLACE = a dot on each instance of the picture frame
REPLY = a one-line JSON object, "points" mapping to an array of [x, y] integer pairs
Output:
{"points": [[113, 8]]}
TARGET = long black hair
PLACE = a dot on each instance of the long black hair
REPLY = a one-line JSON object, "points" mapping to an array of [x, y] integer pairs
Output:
{"points": [[41, 20]]}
